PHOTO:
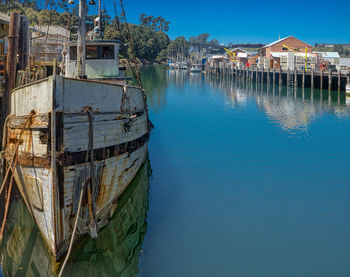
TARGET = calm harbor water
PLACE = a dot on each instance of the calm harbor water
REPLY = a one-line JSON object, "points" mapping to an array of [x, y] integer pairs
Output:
{"points": [[247, 180]]}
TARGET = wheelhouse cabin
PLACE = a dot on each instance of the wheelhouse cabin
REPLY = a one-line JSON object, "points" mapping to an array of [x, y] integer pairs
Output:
{"points": [[102, 59]]}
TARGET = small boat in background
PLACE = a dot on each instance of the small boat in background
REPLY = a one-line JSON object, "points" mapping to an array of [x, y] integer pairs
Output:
{"points": [[181, 65], [347, 89], [172, 65], [196, 68]]}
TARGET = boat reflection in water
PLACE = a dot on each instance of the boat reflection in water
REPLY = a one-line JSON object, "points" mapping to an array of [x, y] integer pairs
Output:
{"points": [[115, 252]]}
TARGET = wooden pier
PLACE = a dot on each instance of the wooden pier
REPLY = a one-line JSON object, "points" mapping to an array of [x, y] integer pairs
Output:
{"points": [[321, 79]]}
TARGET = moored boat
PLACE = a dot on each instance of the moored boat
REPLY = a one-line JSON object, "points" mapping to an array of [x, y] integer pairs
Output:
{"points": [[196, 68], [81, 129], [75, 142], [347, 89]]}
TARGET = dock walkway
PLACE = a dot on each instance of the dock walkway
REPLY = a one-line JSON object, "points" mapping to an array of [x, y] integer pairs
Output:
{"points": [[321, 79]]}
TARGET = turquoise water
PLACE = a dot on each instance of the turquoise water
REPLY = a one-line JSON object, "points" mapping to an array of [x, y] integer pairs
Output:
{"points": [[247, 180]]}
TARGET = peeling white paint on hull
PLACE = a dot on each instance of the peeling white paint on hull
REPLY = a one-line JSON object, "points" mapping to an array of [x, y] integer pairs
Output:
{"points": [[51, 159]]}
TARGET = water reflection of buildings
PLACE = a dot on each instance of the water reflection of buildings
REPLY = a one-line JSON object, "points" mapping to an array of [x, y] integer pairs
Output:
{"points": [[178, 77], [114, 253], [291, 109]]}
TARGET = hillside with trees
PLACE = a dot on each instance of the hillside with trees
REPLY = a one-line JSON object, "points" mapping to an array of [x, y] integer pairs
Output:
{"points": [[149, 38]]}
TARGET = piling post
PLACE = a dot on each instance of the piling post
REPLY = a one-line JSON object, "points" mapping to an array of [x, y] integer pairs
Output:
{"points": [[339, 79], [312, 78], [11, 63], [273, 75], [303, 81], [288, 74], [329, 79], [280, 77], [23, 43], [296, 78], [321, 79]]}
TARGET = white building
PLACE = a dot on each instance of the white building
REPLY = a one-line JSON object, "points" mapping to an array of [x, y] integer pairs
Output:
{"points": [[331, 57]]}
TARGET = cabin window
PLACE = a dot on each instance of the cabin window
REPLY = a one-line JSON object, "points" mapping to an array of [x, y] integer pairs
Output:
{"points": [[73, 53], [285, 48], [108, 52], [94, 52], [91, 52]]}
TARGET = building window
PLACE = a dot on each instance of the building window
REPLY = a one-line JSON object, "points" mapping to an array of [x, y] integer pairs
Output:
{"points": [[284, 48]]}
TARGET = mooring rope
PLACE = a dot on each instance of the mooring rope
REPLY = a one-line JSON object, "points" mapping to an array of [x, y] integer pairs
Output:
{"points": [[74, 227], [8, 197]]}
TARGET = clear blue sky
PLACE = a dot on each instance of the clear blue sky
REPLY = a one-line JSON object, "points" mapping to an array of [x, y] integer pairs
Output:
{"points": [[255, 21]]}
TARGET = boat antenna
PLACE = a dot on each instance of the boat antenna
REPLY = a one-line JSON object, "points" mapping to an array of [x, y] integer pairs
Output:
{"points": [[99, 15]]}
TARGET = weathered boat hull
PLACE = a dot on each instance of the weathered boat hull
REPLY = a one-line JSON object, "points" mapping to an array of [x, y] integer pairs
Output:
{"points": [[23, 252], [53, 150]]}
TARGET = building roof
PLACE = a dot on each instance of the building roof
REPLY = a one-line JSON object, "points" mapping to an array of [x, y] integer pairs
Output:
{"points": [[242, 55], [345, 61], [4, 19], [244, 51], [284, 54], [329, 54], [282, 39], [218, 57]]}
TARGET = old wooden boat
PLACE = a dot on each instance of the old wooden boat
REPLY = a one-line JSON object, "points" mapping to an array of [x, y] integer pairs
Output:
{"points": [[52, 153], [76, 143]]}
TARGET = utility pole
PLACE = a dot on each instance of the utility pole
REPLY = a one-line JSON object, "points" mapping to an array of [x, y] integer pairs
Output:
{"points": [[81, 40]]}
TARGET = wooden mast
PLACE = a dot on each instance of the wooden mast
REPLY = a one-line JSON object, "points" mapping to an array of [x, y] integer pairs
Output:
{"points": [[81, 40]]}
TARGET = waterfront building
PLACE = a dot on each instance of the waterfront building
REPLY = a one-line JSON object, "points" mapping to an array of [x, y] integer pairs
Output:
{"points": [[286, 53], [330, 58]]}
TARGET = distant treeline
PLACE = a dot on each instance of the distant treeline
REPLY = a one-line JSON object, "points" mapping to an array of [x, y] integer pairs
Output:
{"points": [[342, 49], [149, 38], [246, 45]]}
